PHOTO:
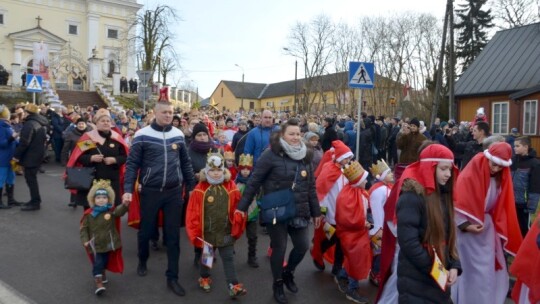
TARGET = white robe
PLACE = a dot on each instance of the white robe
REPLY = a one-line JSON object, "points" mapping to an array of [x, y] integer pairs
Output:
{"points": [[480, 283]]}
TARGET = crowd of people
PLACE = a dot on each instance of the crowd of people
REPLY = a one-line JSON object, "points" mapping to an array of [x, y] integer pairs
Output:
{"points": [[429, 214]]}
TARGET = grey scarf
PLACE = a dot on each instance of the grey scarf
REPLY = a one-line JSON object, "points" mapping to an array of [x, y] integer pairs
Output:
{"points": [[294, 152]]}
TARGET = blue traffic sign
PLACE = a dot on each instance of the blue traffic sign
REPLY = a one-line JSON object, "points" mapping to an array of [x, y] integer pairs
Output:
{"points": [[34, 83], [361, 75]]}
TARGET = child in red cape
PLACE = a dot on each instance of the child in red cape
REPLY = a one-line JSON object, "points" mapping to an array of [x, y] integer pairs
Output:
{"points": [[100, 233]]}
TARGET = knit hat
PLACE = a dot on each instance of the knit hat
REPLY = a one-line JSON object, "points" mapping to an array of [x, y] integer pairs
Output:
{"points": [[500, 153], [80, 120], [100, 187], [4, 112], [355, 173], [340, 150], [198, 128], [31, 108], [415, 122], [229, 119], [310, 135], [101, 113]]}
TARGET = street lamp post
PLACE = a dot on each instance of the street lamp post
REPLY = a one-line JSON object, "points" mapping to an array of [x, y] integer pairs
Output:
{"points": [[242, 97], [295, 82]]}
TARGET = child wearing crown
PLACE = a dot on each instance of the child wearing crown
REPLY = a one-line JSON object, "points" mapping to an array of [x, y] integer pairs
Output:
{"points": [[378, 194], [215, 198], [100, 232], [229, 164], [352, 229], [245, 165]]}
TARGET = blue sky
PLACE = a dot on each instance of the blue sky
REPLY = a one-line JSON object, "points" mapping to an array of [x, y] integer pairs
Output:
{"points": [[214, 35]]}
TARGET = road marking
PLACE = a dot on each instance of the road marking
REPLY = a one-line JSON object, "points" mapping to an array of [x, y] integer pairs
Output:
{"points": [[8, 295]]}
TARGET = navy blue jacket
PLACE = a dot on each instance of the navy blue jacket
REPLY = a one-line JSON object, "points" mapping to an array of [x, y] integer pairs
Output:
{"points": [[526, 180], [161, 157]]}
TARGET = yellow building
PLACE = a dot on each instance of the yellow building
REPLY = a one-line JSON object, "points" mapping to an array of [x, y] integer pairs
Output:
{"points": [[75, 32], [329, 93]]}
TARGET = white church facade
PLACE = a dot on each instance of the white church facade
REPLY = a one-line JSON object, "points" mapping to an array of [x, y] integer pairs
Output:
{"points": [[86, 40]]}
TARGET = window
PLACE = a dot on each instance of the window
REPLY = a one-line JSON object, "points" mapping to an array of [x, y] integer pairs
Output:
{"points": [[251, 105], [1, 18], [530, 110], [221, 92], [499, 125], [112, 33], [73, 29]]}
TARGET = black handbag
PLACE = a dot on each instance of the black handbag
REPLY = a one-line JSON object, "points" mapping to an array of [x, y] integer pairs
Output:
{"points": [[279, 206], [79, 178]]}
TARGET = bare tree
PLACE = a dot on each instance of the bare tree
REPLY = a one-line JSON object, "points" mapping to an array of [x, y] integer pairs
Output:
{"points": [[312, 42], [514, 13], [168, 64], [154, 36]]}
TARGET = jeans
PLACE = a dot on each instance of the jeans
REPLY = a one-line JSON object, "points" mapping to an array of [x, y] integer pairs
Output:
{"points": [[278, 238], [227, 256], [58, 144], [30, 175], [170, 201], [353, 284], [100, 263]]}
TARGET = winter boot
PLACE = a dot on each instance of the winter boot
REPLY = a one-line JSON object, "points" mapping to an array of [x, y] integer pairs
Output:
{"points": [[100, 289], [2, 206], [279, 294], [252, 261], [288, 280], [11, 200]]}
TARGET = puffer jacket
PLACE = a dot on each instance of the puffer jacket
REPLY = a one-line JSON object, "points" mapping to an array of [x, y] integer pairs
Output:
{"points": [[414, 283], [275, 171], [526, 179], [31, 149], [161, 156]]}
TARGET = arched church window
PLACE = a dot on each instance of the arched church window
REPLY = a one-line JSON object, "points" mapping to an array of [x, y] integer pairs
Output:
{"points": [[30, 67]]}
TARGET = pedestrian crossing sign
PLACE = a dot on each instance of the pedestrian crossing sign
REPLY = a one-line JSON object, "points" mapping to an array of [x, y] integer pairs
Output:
{"points": [[361, 75], [34, 83]]}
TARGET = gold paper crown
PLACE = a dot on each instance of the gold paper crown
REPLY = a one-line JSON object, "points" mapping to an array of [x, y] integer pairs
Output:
{"points": [[228, 155], [246, 160], [378, 169], [353, 171]]}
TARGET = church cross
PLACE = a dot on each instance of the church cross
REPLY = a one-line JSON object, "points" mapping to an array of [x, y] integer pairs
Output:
{"points": [[39, 20]]}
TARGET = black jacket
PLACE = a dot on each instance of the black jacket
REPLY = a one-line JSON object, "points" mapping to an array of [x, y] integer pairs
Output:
{"points": [[471, 149], [330, 134], [31, 149], [275, 170], [415, 284]]}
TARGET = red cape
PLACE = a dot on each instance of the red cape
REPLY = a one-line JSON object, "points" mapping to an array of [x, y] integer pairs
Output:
{"points": [[526, 266], [116, 261], [470, 196], [352, 232], [328, 177], [94, 137], [195, 212]]}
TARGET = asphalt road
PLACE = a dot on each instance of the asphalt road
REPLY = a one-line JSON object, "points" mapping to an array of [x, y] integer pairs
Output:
{"points": [[43, 261]]}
